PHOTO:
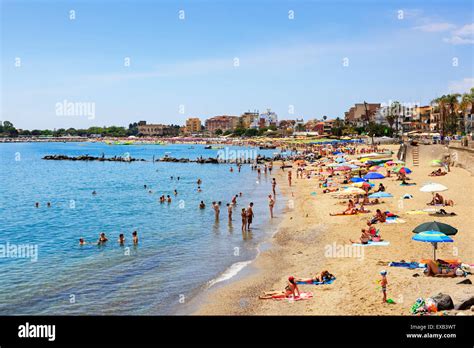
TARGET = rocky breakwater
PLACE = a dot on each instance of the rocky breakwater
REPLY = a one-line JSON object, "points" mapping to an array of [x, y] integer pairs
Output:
{"points": [[91, 158]]}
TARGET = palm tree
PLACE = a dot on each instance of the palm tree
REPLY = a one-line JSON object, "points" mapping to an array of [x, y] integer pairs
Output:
{"points": [[452, 101], [466, 105]]}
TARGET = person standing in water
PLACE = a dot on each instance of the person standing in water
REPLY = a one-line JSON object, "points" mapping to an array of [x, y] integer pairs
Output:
{"points": [[274, 183], [135, 237], [121, 239], [229, 211], [250, 215], [216, 210], [243, 214], [271, 204]]}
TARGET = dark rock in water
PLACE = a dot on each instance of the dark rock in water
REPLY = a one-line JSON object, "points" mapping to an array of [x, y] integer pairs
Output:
{"points": [[443, 302], [465, 281], [465, 304]]}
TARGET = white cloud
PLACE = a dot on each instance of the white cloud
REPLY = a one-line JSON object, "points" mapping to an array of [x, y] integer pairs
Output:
{"points": [[457, 40], [462, 36], [461, 86], [466, 30], [435, 27]]}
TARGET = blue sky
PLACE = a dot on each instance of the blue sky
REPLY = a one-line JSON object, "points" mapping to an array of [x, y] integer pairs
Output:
{"points": [[283, 64]]}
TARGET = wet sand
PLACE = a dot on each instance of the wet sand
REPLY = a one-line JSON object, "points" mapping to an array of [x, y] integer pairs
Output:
{"points": [[306, 232]]}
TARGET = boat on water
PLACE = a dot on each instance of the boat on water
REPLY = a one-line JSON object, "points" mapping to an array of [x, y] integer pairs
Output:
{"points": [[267, 147], [208, 147]]}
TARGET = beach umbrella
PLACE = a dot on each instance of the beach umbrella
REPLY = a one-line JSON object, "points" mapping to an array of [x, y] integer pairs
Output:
{"points": [[340, 159], [343, 168], [333, 165], [433, 237], [389, 163], [433, 187], [402, 170], [374, 168], [373, 175], [363, 184], [354, 190], [357, 179], [436, 163], [380, 195], [436, 226]]}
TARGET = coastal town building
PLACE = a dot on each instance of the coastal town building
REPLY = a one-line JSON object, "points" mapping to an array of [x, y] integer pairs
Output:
{"points": [[223, 123], [361, 113], [266, 119], [247, 118], [157, 129], [193, 125]]}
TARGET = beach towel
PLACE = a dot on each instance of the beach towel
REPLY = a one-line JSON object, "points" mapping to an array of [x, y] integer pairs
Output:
{"points": [[394, 221], [382, 243], [411, 265], [330, 281], [417, 212], [303, 296]]}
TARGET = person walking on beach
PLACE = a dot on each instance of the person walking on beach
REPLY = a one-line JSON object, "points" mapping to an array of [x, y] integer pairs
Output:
{"points": [[243, 214], [259, 172], [250, 215], [274, 183], [289, 178], [216, 210], [229, 211], [383, 284], [271, 204]]}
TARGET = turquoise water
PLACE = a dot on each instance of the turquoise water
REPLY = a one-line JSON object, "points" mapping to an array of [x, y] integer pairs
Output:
{"points": [[181, 247]]}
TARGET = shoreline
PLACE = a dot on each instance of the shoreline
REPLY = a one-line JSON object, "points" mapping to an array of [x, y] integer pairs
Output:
{"points": [[298, 249]]}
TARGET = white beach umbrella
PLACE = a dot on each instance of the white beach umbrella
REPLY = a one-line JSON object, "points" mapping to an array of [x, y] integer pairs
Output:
{"points": [[433, 187]]}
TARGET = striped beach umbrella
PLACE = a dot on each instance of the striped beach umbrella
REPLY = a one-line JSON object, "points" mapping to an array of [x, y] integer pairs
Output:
{"points": [[342, 168], [433, 237], [402, 170]]}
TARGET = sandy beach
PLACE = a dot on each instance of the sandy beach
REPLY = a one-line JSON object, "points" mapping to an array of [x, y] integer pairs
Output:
{"points": [[300, 248]]}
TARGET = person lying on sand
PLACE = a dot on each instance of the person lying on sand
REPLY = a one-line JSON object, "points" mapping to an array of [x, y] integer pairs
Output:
{"points": [[444, 212], [290, 289], [438, 172], [404, 183], [322, 277], [330, 190], [433, 270]]}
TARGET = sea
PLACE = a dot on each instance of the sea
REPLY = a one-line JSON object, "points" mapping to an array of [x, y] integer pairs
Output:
{"points": [[182, 250]]}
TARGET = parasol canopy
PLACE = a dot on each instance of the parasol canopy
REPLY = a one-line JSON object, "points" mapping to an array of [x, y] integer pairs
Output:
{"points": [[433, 187]]}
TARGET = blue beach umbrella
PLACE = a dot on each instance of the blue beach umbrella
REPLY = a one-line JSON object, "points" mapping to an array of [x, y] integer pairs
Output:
{"points": [[340, 159], [433, 237], [357, 179], [380, 195], [374, 175]]}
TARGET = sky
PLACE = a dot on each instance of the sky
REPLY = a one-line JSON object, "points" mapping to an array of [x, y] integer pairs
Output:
{"points": [[164, 61]]}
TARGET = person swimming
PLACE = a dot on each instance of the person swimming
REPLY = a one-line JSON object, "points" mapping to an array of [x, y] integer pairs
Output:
{"points": [[202, 205], [121, 239], [94, 193], [102, 239], [199, 189], [175, 192], [82, 241], [37, 205], [168, 199]]}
